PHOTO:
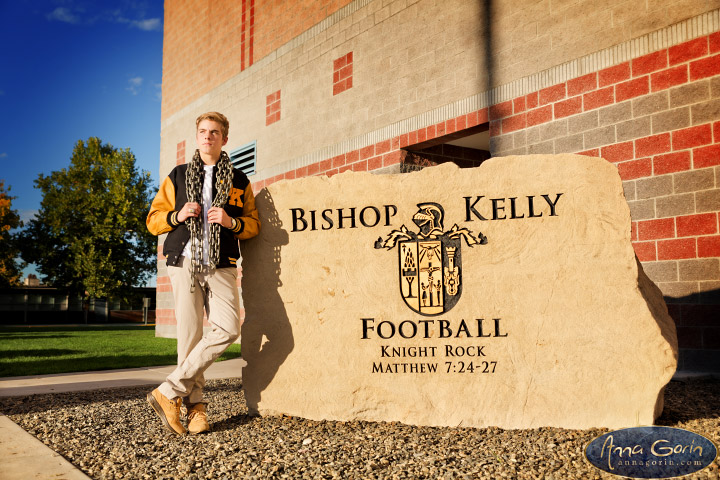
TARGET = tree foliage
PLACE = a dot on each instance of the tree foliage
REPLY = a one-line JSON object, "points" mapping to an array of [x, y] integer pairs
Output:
{"points": [[89, 234], [10, 271]]}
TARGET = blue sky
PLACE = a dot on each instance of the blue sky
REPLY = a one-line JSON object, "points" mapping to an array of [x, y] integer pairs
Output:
{"points": [[74, 69]]}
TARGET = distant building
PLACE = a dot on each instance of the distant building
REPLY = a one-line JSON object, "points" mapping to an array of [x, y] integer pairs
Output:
{"points": [[318, 88], [32, 281]]}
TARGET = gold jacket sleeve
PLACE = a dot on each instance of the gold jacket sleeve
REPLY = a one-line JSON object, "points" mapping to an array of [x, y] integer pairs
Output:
{"points": [[163, 217], [248, 225]]}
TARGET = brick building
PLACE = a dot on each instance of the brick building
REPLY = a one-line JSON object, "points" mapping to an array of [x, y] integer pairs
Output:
{"points": [[317, 87]]}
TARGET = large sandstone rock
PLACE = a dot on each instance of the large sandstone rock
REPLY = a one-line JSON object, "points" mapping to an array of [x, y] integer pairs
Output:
{"points": [[550, 320]]}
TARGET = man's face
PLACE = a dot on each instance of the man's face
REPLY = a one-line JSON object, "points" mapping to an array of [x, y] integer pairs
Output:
{"points": [[210, 138]]}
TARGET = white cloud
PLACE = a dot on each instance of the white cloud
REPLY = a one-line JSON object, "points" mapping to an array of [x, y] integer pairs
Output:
{"points": [[62, 14], [158, 91], [135, 84], [148, 25], [87, 13]]}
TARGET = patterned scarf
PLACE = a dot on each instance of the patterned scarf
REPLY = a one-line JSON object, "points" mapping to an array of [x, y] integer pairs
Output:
{"points": [[193, 186]]}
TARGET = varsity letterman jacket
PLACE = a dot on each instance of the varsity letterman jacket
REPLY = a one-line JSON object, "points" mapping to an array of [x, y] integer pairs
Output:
{"points": [[172, 196]]}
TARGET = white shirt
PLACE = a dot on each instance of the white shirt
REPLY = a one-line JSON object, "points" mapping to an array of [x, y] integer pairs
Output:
{"points": [[206, 204]]}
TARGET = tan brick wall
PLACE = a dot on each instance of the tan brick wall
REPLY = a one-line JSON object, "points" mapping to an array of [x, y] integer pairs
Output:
{"points": [[206, 42], [532, 36]]}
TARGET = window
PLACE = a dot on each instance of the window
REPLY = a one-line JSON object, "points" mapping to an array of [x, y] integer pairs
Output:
{"points": [[244, 158]]}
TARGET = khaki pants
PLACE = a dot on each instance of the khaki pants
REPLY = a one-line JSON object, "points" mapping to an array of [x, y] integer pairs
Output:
{"points": [[216, 292]]}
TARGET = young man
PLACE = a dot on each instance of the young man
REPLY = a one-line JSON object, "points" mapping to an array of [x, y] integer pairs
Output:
{"points": [[205, 207]]}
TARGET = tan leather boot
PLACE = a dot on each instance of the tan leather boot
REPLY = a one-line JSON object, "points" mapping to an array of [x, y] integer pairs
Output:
{"points": [[197, 419], [168, 410]]}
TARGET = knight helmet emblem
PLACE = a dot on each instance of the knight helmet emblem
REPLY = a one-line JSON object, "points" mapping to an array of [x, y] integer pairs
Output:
{"points": [[429, 261]]}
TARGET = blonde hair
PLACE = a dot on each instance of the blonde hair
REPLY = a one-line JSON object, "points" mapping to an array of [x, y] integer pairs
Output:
{"points": [[215, 117]]}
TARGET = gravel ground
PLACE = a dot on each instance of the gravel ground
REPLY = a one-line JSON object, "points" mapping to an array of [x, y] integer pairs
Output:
{"points": [[113, 434]]}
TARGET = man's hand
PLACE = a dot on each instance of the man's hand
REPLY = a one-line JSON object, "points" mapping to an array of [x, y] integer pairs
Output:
{"points": [[218, 215], [190, 209]]}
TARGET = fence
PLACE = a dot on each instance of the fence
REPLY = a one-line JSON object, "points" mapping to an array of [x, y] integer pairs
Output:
{"points": [[33, 305]]}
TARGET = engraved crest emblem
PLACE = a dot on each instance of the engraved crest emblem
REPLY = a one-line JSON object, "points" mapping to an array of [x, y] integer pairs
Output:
{"points": [[430, 261]]}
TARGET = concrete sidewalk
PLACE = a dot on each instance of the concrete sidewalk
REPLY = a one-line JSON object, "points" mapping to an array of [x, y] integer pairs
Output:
{"points": [[25, 457]]}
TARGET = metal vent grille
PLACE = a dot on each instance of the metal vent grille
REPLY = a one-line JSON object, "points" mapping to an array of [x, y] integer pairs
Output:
{"points": [[244, 158]]}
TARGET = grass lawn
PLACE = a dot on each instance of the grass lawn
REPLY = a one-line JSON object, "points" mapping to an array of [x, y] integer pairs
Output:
{"points": [[43, 350]]}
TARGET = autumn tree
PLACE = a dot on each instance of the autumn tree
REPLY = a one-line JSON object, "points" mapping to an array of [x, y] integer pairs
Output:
{"points": [[89, 234], [10, 270]]}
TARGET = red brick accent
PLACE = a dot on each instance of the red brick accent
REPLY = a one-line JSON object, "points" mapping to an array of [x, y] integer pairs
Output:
{"points": [[692, 137], [483, 116], [633, 169], [272, 108], [413, 136], [669, 78], [352, 157], [702, 224], [706, 156], [652, 145], [165, 316], [708, 246], [688, 50], [714, 40], [599, 98], [367, 152], [612, 75], [632, 88], [382, 147], [342, 73], [374, 163], [649, 63], [716, 132], [504, 109], [633, 231], [392, 158], [519, 104], [313, 169], [671, 162], [531, 100], [247, 29], [583, 84], [645, 251], [656, 229], [450, 127], [595, 152], [676, 249], [617, 152], [552, 94], [360, 166], [180, 156], [539, 115], [568, 107], [706, 67], [512, 124]]}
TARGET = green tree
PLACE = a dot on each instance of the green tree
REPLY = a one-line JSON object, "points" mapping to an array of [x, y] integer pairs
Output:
{"points": [[10, 270], [90, 233]]}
